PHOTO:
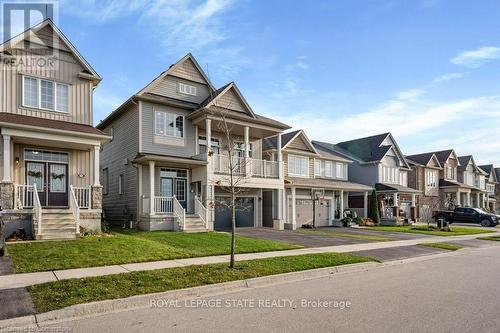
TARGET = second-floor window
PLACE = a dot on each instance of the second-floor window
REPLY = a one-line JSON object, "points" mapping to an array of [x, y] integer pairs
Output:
{"points": [[45, 94], [389, 174], [431, 180], [403, 178], [187, 89], [169, 124], [202, 143], [450, 172], [490, 188], [298, 166]]}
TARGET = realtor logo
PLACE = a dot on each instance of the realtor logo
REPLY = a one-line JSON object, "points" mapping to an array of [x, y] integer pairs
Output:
{"points": [[27, 42]]}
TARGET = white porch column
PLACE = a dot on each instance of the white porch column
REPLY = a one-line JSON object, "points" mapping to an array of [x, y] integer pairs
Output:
{"points": [[139, 189], [279, 155], [478, 200], [279, 204], [365, 206], [208, 133], [197, 146], [247, 141], [96, 166], [294, 212], [413, 200], [459, 198], [331, 211], [395, 199], [468, 199], [341, 197], [152, 187], [7, 160]]}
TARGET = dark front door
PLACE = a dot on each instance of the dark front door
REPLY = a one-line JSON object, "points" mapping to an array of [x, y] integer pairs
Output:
{"points": [[180, 191], [51, 180], [267, 209]]}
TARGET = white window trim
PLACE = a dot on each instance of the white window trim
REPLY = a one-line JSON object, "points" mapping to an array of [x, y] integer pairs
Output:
{"points": [[307, 166], [187, 91], [55, 83], [175, 119], [121, 184]]}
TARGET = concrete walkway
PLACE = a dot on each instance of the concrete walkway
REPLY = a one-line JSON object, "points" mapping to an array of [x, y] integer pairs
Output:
{"points": [[27, 279]]}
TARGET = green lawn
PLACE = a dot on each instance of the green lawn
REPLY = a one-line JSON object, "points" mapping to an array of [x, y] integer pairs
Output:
{"points": [[455, 231], [63, 293], [492, 238], [128, 247], [444, 246], [331, 233]]}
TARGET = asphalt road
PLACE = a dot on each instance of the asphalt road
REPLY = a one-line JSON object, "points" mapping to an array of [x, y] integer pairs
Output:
{"points": [[449, 294]]}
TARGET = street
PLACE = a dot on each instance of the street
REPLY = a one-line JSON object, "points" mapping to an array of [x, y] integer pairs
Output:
{"points": [[458, 293]]}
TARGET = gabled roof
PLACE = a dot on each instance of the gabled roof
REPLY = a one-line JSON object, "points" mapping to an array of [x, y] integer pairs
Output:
{"points": [[287, 139], [465, 161], [443, 155], [489, 169], [48, 22], [218, 95], [171, 69], [423, 159], [369, 149], [329, 154], [497, 173]]}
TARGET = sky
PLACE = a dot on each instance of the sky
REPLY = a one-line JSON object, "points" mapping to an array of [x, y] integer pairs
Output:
{"points": [[424, 70]]}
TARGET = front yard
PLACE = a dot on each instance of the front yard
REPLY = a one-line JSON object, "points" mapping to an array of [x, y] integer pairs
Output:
{"points": [[121, 247], [454, 231], [329, 232], [59, 294]]}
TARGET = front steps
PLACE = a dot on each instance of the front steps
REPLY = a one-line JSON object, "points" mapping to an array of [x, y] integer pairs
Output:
{"points": [[193, 223], [56, 224]]}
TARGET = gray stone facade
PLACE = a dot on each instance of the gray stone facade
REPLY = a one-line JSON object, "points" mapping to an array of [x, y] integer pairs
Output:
{"points": [[158, 222], [90, 221], [96, 197], [6, 196]]}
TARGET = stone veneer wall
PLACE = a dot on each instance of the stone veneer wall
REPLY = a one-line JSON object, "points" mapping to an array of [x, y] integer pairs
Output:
{"points": [[152, 223], [96, 197], [7, 195]]}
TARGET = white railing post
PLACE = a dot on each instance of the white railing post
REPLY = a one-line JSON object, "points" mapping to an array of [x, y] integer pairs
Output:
{"points": [[37, 207], [74, 206]]}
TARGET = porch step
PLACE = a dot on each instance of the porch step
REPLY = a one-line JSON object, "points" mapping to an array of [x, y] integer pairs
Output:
{"points": [[194, 223], [56, 236], [57, 224]]}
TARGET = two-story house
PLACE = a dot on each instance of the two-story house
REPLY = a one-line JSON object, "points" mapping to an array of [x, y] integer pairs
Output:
{"points": [[471, 175], [424, 176], [378, 162], [491, 186], [316, 182], [49, 157], [168, 162]]}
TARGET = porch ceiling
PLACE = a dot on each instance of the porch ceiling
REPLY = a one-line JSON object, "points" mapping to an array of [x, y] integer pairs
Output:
{"points": [[52, 141], [169, 161]]}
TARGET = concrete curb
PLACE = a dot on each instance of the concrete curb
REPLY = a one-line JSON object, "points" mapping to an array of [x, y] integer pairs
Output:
{"points": [[80, 311]]}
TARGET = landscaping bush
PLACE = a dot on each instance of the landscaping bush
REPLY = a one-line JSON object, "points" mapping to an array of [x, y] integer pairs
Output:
{"points": [[374, 212], [367, 222]]}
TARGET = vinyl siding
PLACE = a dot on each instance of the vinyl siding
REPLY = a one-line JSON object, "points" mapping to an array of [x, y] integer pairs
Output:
{"points": [[117, 156], [80, 162], [230, 100], [168, 87], [187, 70], [299, 144], [80, 90], [186, 149]]}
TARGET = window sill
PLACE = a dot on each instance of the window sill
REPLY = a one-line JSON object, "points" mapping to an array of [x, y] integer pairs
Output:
{"points": [[68, 114]]}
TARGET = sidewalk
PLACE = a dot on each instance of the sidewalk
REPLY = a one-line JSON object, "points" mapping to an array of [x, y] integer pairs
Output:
{"points": [[28, 279]]}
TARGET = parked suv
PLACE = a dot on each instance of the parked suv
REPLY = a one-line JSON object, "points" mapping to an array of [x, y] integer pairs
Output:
{"points": [[468, 215]]}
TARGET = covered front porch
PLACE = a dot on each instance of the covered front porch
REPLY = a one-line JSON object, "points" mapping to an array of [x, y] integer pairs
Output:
{"points": [[397, 202], [170, 193], [50, 180]]}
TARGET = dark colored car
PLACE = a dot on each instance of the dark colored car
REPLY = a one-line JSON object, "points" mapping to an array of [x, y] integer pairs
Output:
{"points": [[468, 215], [2, 238]]}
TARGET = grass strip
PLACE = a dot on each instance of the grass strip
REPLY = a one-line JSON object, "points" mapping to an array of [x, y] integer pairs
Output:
{"points": [[55, 295], [124, 247], [344, 235], [454, 231], [444, 246]]}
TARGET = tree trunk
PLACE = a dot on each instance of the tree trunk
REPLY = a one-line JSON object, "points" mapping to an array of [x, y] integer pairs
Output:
{"points": [[233, 229]]}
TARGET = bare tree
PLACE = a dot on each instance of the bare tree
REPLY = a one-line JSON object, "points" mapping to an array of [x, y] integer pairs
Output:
{"points": [[427, 209]]}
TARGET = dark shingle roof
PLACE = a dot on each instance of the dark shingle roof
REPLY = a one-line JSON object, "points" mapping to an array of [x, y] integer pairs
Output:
{"points": [[48, 123], [423, 158], [367, 149], [486, 168], [443, 155], [497, 171], [270, 143], [464, 161]]}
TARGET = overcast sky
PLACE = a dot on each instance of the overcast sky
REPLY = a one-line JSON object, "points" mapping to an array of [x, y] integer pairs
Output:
{"points": [[425, 70]]}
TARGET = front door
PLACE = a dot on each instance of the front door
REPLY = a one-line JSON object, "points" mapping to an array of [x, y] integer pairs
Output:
{"points": [[174, 186], [51, 180], [180, 191]]}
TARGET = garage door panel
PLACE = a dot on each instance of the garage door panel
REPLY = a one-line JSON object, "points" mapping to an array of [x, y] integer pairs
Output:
{"points": [[245, 213]]}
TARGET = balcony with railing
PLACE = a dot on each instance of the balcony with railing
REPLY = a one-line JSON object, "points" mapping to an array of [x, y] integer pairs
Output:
{"points": [[252, 167]]}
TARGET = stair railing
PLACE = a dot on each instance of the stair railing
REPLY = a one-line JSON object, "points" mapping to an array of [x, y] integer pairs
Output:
{"points": [[75, 209], [37, 209], [179, 213]]}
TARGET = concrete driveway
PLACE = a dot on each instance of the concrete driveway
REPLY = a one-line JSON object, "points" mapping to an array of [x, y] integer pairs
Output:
{"points": [[14, 302], [320, 240]]}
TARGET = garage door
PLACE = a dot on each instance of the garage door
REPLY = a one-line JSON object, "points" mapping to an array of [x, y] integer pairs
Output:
{"points": [[245, 213], [304, 210]]}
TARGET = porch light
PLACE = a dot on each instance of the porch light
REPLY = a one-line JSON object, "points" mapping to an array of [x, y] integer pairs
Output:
{"points": [[17, 160]]}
